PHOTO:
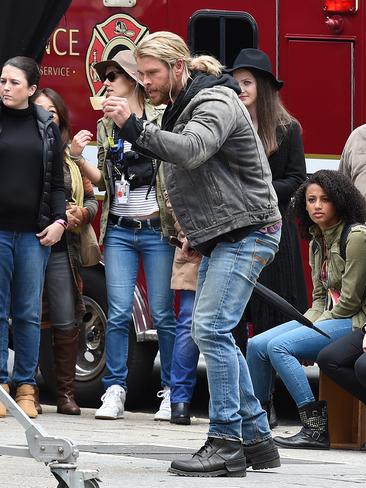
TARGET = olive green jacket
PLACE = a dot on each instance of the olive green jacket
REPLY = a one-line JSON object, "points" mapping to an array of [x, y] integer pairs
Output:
{"points": [[349, 277], [104, 130]]}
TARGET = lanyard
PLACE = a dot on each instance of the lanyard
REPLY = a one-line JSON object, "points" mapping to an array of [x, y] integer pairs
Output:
{"points": [[115, 142]]}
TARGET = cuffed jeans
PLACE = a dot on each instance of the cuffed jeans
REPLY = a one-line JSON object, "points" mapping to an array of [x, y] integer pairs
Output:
{"points": [[122, 251], [23, 262], [185, 352], [225, 283], [282, 348]]}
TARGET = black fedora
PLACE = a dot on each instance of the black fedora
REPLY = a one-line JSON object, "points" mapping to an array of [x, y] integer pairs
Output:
{"points": [[251, 58]]}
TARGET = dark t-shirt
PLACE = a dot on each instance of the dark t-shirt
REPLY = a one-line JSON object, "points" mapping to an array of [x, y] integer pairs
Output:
{"points": [[20, 170]]}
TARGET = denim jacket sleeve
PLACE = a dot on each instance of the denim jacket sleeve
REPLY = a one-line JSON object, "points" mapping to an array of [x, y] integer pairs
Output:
{"points": [[204, 130]]}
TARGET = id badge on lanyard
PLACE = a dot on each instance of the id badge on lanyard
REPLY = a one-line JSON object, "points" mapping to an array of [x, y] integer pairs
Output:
{"points": [[122, 188]]}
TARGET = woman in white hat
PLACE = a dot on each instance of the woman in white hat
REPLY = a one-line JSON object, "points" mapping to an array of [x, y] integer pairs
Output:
{"points": [[133, 221]]}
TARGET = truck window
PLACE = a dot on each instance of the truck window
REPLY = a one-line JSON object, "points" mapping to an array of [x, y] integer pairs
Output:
{"points": [[221, 33]]}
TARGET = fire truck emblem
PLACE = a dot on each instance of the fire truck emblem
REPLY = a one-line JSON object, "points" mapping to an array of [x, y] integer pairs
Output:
{"points": [[122, 29], [118, 32]]}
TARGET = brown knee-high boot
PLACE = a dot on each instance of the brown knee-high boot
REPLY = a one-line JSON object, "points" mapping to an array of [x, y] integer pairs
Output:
{"points": [[65, 347]]}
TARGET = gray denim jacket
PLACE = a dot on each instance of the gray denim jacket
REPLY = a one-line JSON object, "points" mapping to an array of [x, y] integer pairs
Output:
{"points": [[217, 176]]}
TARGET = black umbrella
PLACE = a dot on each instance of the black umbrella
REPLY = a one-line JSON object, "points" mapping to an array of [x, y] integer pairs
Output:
{"points": [[285, 307]]}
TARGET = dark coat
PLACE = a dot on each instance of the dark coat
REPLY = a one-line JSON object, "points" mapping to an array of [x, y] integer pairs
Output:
{"points": [[52, 203], [285, 275], [89, 210]]}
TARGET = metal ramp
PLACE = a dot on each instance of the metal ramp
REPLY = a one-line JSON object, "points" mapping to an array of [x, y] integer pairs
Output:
{"points": [[60, 454]]}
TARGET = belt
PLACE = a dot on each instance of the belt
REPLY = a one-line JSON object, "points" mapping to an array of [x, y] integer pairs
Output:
{"points": [[133, 223], [271, 229]]}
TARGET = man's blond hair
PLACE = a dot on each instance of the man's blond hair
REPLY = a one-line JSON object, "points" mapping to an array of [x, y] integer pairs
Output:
{"points": [[169, 48]]}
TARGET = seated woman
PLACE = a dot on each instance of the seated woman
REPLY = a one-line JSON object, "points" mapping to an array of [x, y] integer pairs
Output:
{"points": [[344, 361], [324, 204]]}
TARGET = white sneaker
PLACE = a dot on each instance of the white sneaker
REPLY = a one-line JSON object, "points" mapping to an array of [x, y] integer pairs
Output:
{"points": [[164, 412], [113, 403]]}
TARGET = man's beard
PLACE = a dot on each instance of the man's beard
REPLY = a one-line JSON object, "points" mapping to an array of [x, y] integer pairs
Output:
{"points": [[165, 94]]}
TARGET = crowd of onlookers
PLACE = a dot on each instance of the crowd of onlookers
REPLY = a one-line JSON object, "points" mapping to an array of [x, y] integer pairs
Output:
{"points": [[210, 160]]}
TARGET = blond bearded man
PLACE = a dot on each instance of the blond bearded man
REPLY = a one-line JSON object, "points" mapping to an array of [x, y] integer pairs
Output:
{"points": [[219, 184]]}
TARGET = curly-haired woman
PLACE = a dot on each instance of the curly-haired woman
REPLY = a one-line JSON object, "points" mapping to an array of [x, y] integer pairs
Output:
{"points": [[344, 361], [324, 204]]}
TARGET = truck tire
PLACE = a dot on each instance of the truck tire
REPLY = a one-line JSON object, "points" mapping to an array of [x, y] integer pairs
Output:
{"points": [[90, 367]]}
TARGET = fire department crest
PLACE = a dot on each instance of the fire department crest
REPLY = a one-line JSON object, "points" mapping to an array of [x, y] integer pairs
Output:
{"points": [[108, 38]]}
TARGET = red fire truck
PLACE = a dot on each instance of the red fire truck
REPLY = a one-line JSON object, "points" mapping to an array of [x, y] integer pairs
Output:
{"points": [[316, 46]]}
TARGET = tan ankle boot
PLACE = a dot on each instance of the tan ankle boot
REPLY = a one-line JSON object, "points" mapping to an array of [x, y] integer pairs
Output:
{"points": [[36, 402], [25, 398], [2, 406]]}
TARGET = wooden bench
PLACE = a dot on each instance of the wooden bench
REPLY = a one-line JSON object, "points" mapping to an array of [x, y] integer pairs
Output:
{"points": [[346, 415]]}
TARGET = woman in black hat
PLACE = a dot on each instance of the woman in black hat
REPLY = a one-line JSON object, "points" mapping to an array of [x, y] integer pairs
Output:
{"points": [[280, 134]]}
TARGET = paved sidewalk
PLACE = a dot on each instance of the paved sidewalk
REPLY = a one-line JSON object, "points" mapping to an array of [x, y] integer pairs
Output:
{"points": [[135, 452]]}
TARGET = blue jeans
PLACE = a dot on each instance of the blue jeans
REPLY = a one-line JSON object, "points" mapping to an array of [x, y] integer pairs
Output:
{"points": [[123, 249], [185, 352], [23, 262], [225, 283], [281, 348]]}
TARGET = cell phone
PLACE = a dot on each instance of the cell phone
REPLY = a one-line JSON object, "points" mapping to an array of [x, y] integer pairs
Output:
{"points": [[174, 241]]}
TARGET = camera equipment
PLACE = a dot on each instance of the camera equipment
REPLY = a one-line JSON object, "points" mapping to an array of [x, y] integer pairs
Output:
{"points": [[137, 169], [174, 241]]}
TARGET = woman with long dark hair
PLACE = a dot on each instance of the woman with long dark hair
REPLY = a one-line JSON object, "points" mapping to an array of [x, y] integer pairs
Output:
{"points": [[65, 310], [324, 205], [280, 134]]}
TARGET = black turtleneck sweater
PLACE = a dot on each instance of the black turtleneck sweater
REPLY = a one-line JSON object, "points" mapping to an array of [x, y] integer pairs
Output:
{"points": [[21, 170]]}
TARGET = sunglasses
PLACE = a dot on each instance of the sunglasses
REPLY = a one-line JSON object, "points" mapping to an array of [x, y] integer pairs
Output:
{"points": [[112, 75]]}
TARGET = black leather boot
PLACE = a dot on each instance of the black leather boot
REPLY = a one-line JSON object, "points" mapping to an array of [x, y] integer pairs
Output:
{"points": [[314, 434], [180, 414], [262, 455], [218, 457]]}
